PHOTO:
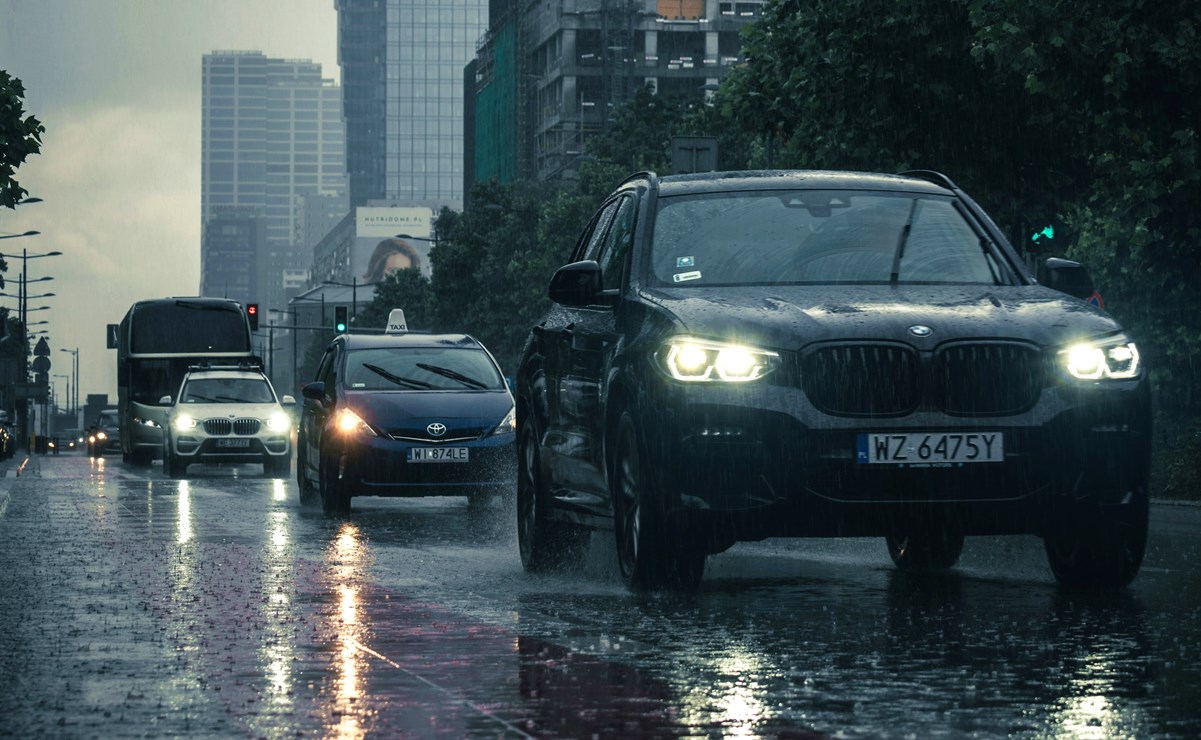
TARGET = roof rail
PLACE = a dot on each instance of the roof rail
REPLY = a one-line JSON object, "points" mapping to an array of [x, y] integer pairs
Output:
{"points": [[931, 176], [253, 364]]}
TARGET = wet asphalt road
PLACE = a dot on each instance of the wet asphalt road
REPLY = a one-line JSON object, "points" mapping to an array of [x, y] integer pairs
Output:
{"points": [[135, 606]]}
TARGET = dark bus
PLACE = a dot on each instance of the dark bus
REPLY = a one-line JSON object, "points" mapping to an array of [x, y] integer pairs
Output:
{"points": [[156, 342]]}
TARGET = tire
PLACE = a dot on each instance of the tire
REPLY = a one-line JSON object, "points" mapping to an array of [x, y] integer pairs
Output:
{"points": [[929, 550], [277, 467], [334, 493], [1098, 546], [652, 553], [173, 466], [545, 545]]}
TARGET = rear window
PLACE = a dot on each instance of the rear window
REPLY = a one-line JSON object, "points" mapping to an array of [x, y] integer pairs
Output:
{"points": [[421, 369]]}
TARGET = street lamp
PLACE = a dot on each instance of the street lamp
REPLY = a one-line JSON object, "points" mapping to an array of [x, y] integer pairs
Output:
{"points": [[15, 236], [23, 311], [74, 399]]}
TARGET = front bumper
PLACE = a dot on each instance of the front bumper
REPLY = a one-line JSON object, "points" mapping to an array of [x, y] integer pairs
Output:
{"points": [[379, 466], [196, 448], [763, 460]]}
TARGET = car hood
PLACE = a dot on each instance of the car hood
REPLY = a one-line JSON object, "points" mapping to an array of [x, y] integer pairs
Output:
{"points": [[227, 410], [401, 412], [794, 316]]}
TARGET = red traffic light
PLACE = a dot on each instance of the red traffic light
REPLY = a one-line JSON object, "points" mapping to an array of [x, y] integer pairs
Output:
{"points": [[252, 313]]}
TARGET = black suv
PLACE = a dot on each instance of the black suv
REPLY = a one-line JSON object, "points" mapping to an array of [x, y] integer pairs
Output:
{"points": [[741, 355]]}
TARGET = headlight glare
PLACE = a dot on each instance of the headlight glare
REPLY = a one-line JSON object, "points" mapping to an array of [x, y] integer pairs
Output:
{"points": [[1115, 358], [183, 423], [349, 422], [279, 422], [694, 360]]}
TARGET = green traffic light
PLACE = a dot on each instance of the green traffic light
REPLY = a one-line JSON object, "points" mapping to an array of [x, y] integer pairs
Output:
{"points": [[340, 327], [1048, 232]]}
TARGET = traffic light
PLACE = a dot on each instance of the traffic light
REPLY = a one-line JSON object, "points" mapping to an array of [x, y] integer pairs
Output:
{"points": [[340, 319], [252, 314]]}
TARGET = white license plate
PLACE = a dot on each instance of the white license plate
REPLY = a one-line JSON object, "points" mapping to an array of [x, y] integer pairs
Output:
{"points": [[930, 448], [236, 443], [438, 454]]}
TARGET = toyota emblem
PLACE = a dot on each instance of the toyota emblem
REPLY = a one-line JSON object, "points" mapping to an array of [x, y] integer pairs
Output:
{"points": [[920, 331], [437, 429]]}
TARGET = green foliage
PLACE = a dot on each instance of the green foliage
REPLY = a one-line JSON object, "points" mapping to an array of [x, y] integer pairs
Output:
{"points": [[20, 135], [405, 289]]}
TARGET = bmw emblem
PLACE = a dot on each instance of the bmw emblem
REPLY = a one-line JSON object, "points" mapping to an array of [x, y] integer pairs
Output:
{"points": [[918, 330], [437, 429]]}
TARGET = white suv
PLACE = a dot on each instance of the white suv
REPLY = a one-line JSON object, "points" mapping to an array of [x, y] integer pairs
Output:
{"points": [[227, 414]]}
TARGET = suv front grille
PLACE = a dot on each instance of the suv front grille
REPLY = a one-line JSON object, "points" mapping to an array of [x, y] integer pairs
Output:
{"points": [[862, 379], [241, 427], [965, 379]]}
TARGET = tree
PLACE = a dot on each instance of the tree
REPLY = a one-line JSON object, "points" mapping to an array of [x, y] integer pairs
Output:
{"points": [[21, 136]]}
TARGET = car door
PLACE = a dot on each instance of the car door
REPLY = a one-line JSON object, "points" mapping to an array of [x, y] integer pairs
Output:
{"points": [[586, 345], [564, 440], [315, 413]]}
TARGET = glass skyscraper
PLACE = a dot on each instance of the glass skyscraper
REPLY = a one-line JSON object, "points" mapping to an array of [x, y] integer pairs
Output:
{"points": [[402, 71], [271, 133]]}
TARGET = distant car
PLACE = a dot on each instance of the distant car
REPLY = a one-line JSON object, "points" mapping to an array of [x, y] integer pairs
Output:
{"points": [[732, 356], [104, 436], [227, 414], [405, 415], [70, 440]]}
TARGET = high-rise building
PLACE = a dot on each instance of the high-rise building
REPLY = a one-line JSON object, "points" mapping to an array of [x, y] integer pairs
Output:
{"points": [[271, 132], [550, 74], [402, 75]]}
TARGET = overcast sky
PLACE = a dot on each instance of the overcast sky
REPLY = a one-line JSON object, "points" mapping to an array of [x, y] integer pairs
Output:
{"points": [[117, 85]]}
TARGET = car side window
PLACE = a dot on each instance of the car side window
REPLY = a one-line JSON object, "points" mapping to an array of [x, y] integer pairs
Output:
{"points": [[326, 373], [616, 245], [590, 241]]}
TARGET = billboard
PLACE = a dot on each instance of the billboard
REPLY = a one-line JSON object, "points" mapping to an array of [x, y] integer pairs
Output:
{"points": [[390, 238]]}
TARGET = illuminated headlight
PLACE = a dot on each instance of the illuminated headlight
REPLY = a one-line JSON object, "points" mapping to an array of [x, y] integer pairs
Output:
{"points": [[508, 424], [696, 361], [279, 422], [1116, 358], [101, 436], [183, 423], [349, 422]]}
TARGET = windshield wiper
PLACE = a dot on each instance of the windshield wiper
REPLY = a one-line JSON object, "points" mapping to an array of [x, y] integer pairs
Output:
{"points": [[448, 373], [398, 380], [896, 258]]}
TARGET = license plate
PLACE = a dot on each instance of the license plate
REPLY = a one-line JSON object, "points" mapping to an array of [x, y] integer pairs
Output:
{"points": [[235, 443], [929, 449], [438, 454]]}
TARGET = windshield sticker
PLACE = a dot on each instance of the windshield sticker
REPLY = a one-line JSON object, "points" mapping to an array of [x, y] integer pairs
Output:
{"points": [[358, 385], [681, 277], [685, 261]]}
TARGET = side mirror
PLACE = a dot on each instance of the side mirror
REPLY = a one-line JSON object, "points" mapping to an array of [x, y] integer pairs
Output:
{"points": [[578, 284], [1066, 276], [314, 391], [288, 400], [164, 401]]}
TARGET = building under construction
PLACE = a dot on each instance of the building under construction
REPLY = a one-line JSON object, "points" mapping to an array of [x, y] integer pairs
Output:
{"points": [[550, 74]]}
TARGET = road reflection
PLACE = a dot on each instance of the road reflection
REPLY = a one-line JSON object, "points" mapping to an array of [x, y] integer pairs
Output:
{"points": [[347, 560]]}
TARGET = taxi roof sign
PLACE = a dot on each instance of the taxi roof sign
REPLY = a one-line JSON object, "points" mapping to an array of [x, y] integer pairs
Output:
{"points": [[396, 322]]}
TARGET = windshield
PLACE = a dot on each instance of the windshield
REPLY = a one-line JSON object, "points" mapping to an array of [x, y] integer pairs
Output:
{"points": [[816, 237], [227, 390], [183, 326], [421, 368]]}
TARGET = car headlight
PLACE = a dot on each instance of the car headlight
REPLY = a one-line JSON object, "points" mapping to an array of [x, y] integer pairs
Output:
{"points": [[101, 436], [508, 424], [184, 422], [145, 422], [279, 422], [349, 422], [1116, 358], [697, 361]]}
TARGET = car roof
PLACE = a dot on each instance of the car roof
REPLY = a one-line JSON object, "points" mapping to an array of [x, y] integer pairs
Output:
{"points": [[703, 182], [201, 374], [372, 341]]}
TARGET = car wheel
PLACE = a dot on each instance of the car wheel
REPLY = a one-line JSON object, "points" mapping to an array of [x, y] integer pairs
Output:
{"points": [[927, 550], [173, 466], [544, 544], [1094, 545], [277, 467], [651, 552], [335, 496]]}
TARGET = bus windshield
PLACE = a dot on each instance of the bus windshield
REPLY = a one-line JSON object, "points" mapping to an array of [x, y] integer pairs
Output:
{"points": [[173, 328]]}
